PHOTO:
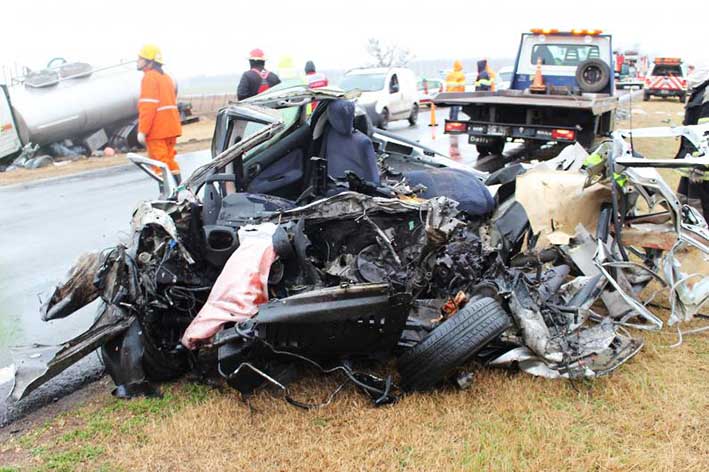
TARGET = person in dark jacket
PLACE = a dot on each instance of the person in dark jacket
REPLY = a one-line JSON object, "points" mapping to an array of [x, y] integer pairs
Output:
{"points": [[484, 80], [257, 79], [694, 190], [314, 78]]}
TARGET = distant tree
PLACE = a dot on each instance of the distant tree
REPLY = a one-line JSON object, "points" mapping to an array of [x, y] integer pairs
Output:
{"points": [[387, 54]]}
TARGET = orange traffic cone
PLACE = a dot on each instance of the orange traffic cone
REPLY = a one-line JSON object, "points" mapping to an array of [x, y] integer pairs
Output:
{"points": [[538, 82], [433, 115]]}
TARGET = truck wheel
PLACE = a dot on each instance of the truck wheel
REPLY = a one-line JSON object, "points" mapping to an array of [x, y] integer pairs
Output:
{"points": [[646, 97], [414, 116], [451, 344], [494, 148], [593, 75], [682, 98]]}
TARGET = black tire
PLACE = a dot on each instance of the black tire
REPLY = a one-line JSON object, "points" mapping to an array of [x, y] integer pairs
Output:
{"points": [[384, 119], [414, 116], [593, 75], [494, 148], [451, 344], [646, 97], [682, 98]]}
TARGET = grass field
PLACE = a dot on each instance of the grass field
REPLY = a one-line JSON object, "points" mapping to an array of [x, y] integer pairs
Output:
{"points": [[649, 415]]}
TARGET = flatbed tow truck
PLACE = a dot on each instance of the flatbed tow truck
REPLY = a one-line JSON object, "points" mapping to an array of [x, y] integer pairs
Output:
{"points": [[561, 93]]}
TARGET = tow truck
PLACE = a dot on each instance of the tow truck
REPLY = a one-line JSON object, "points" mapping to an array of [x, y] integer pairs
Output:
{"points": [[561, 93], [666, 79]]}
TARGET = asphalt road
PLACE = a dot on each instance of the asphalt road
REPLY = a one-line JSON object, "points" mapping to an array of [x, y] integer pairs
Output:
{"points": [[45, 227]]}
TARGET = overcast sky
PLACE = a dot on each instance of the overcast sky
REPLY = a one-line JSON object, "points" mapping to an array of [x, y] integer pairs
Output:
{"points": [[210, 37]]}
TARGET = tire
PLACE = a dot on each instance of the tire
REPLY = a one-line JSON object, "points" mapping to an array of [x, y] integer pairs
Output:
{"points": [[593, 75], [646, 97], [414, 116], [494, 148], [451, 344], [682, 98], [384, 119]]}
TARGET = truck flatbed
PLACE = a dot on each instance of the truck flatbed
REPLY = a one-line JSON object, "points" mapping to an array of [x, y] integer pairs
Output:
{"points": [[595, 102]]}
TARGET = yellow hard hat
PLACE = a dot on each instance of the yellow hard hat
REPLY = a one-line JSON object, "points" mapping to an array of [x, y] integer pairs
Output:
{"points": [[151, 52]]}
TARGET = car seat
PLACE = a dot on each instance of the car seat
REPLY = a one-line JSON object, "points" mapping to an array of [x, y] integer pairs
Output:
{"points": [[345, 148]]}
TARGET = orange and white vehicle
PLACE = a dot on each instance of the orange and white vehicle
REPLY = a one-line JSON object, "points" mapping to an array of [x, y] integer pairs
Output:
{"points": [[666, 79]]}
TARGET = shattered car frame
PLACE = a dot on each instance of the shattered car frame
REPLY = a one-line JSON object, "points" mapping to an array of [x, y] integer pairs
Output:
{"points": [[423, 267]]}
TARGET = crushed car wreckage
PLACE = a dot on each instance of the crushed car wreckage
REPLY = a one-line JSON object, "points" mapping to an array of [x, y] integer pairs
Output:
{"points": [[269, 260]]}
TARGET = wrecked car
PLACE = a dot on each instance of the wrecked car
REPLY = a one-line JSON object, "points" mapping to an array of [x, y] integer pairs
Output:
{"points": [[314, 239]]}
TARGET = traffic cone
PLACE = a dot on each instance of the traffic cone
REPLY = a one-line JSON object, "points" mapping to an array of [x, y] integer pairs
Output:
{"points": [[538, 82], [433, 115]]}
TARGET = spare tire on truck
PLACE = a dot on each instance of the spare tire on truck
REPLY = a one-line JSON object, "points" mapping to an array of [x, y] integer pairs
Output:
{"points": [[452, 343], [593, 75]]}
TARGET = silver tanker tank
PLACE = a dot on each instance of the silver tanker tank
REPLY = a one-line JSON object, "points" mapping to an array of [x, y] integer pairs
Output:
{"points": [[75, 100]]}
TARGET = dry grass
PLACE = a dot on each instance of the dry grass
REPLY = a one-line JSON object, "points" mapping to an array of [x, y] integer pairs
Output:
{"points": [[657, 112], [194, 137], [649, 415]]}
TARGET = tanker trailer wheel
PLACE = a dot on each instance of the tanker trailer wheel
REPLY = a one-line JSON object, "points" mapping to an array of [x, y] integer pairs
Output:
{"points": [[451, 344], [592, 75]]}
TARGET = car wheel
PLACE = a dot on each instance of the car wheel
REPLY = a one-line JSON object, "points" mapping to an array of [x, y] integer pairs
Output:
{"points": [[451, 344], [646, 97], [414, 116], [384, 119], [682, 98]]}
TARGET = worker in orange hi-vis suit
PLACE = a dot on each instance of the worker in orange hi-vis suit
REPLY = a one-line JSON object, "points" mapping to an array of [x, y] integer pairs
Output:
{"points": [[158, 117], [455, 82]]}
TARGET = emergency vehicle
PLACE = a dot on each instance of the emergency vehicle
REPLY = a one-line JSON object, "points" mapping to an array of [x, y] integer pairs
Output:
{"points": [[666, 79], [561, 92]]}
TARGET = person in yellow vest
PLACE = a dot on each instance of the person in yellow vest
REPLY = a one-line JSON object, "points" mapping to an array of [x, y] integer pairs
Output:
{"points": [[455, 82]]}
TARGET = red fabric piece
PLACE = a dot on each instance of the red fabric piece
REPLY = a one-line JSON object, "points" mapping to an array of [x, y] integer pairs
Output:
{"points": [[239, 289]]}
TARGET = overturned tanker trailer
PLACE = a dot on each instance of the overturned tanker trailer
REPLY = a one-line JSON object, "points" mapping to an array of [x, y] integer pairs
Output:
{"points": [[256, 286]]}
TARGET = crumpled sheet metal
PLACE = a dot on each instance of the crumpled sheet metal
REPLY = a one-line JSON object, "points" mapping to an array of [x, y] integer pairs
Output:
{"points": [[146, 214], [37, 363], [75, 291], [352, 204], [240, 288], [603, 351]]}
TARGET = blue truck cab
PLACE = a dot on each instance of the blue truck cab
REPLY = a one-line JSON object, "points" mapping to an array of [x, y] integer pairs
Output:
{"points": [[561, 93]]}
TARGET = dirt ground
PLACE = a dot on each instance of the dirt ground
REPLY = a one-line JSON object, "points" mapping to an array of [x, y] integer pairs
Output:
{"points": [[195, 136], [648, 415]]}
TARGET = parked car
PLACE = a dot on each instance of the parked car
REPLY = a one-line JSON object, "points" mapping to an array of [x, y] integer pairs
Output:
{"points": [[429, 89], [388, 94], [666, 79]]}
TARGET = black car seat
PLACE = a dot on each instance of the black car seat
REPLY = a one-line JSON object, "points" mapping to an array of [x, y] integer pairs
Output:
{"points": [[345, 148]]}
